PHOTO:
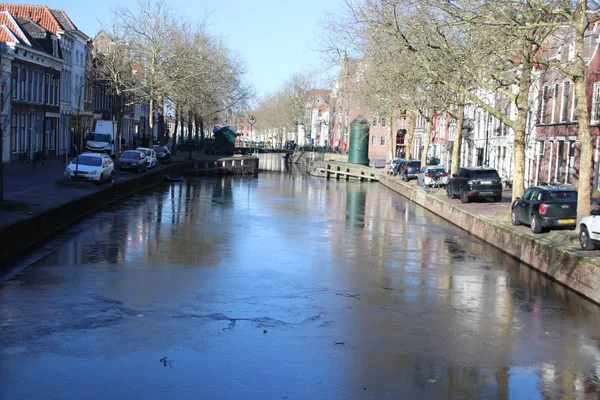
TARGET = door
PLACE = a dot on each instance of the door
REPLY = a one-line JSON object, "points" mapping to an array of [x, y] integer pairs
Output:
{"points": [[523, 206]]}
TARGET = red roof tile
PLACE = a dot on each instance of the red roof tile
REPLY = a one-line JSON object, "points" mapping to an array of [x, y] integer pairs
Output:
{"points": [[37, 13], [9, 26]]}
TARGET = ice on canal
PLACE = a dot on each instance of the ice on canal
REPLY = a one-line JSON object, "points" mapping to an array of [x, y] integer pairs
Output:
{"points": [[285, 287]]}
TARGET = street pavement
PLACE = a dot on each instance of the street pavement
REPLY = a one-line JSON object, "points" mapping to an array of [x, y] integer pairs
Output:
{"points": [[33, 188]]}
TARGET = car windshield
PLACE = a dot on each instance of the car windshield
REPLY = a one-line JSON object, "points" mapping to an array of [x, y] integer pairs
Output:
{"points": [[485, 174], [148, 152], [98, 137], [436, 170], [162, 149], [414, 164], [131, 154], [87, 160], [559, 196]]}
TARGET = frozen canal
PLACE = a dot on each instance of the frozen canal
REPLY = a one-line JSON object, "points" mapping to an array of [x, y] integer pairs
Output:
{"points": [[284, 287]]}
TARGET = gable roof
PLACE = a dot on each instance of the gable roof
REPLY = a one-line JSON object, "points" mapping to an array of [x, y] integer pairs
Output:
{"points": [[37, 36], [63, 19], [39, 14], [10, 31]]}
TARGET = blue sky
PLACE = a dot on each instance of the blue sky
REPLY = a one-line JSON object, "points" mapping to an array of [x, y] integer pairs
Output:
{"points": [[275, 38]]}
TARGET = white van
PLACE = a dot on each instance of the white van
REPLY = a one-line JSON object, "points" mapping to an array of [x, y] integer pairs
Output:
{"points": [[102, 138]]}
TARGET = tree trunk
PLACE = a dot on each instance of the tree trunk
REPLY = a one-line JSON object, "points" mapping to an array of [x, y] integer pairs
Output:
{"points": [[161, 120], [150, 119], [391, 142], [584, 189], [426, 142], [190, 129], [410, 135], [458, 135], [518, 184], [174, 146], [196, 127], [119, 128], [202, 130]]}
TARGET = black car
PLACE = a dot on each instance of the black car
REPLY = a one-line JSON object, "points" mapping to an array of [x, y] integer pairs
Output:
{"points": [[475, 182], [163, 155], [545, 208], [410, 170], [133, 160]]}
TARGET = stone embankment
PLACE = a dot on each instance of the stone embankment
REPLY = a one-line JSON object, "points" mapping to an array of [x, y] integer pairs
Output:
{"points": [[553, 254], [27, 225]]}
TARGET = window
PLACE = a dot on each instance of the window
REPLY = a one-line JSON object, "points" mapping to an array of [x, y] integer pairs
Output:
{"points": [[14, 83], [565, 103], [382, 122], [40, 88], [374, 140], [383, 139], [13, 133], [541, 146], [29, 84], [22, 128], [23, 77], [554, 102], [543, 106], [528, 194], [375, 122]]}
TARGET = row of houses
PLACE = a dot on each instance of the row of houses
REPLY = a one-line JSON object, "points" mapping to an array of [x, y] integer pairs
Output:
{"points": [[48, 103], [552, 144]]}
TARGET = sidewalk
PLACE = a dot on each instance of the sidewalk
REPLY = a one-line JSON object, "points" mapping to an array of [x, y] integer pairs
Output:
{"points": [[29, 190]]}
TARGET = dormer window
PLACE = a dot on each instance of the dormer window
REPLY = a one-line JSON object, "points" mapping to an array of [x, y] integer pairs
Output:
{"points": [[54, 47]]}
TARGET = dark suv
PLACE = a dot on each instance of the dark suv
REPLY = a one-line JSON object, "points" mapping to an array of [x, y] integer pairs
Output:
{"points": [[475, 182]]}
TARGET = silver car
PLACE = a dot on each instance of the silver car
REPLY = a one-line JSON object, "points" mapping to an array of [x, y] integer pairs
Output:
{"points": [[432, 175]]}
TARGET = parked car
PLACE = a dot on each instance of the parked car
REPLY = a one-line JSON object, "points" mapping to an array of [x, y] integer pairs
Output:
{"points": [[475, 182], [163, 155], [545, 208], [150, 156], [400, 167], [432, 175], [96, 167], [410, 170], [392, 166], [133, 160], [589, 231]]}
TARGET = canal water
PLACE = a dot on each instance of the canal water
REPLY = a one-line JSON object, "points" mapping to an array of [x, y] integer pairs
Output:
{"points": [[286, 287]]}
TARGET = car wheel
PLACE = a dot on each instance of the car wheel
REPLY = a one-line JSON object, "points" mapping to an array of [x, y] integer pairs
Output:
{"points": [[449, 193], [536, 227], [405, 178], [498, 198], [99, 181], [584, 239], [463, 197], [513, 218], [111, 177]]}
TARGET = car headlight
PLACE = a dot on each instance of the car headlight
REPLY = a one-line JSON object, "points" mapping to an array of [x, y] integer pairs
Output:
{"points": [[93, 172], [134, 163], [69, 171]]}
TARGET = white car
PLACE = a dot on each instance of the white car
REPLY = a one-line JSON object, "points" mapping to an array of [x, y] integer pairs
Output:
{"points": [[96, 167], [392, 166], [432, 175], [150, 156], [589, 231]]}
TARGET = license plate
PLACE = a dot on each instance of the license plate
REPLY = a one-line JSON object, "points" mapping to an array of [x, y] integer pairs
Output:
{"points": [[486, 193], [124, 166], [566, 221]]}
